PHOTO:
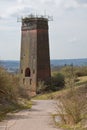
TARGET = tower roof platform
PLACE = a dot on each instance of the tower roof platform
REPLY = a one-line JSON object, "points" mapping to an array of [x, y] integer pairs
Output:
{"points": [[32, 17]]}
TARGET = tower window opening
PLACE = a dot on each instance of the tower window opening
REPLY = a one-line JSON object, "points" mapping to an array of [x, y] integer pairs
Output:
{"points": [[27, 72], [23, 81], [30, 81]]}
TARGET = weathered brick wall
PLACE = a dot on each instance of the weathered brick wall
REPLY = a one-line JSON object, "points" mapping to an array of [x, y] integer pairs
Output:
{"points": [[34, 52]]}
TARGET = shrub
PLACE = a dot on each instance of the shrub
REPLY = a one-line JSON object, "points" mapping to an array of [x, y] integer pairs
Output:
{"points": [[73, 106], [70, 76], [8, 86], [81, 71], [41, 88], [76, 70], [57, 82]]}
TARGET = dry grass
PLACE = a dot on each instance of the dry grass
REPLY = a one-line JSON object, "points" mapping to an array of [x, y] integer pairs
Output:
{"points": [[72, 108], [10, 94], [58, 94], [82, 79]]}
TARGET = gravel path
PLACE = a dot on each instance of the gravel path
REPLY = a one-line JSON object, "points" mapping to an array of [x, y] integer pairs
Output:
{"points": [[38, 118]]}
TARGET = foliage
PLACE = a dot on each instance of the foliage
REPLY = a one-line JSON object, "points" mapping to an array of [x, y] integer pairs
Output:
{"points": [[10, 94], [78, 70], [47, 96], [81, 71], [81, 80], [41, 88], [74, 106], [8, 86], [57, 82]]}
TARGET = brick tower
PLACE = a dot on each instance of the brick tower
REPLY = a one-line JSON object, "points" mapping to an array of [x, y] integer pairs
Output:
{"points": [[34, 59]]}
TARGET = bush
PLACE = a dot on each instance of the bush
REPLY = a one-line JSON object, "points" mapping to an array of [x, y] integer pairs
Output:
{"points": [[73, 106], [81, 71], [10, 94], [76, 70], [8, 86], [57, 82], [41, 88]]}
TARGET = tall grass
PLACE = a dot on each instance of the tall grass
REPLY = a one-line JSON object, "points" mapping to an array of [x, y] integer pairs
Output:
{"points": [[10, 93], [8, 86], [72, 106]]}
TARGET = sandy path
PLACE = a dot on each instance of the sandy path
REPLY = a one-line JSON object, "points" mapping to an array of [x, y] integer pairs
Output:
{"points": [[38, 118]]}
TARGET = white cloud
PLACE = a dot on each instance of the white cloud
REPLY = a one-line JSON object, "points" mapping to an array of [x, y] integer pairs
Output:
{"points": [[14, 10], [18, 7], [73, 40], [69, 25], [75, 4], [27, 6], [82, 1], [19, 1], [70, 4], [21, 7]]}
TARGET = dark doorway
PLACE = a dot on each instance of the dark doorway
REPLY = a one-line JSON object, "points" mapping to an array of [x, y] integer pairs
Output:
{"points": [[27, 72]]}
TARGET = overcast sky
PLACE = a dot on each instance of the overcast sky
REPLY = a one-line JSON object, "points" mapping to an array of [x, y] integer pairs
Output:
{"points": [[67, 31]]}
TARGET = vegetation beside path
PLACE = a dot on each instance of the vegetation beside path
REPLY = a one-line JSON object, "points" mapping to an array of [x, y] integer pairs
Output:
{"points": [[11, 98], [72, 99], [68, 85]]}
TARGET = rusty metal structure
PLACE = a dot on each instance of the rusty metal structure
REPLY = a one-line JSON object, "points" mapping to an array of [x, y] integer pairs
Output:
{"points": [[35, 58]]}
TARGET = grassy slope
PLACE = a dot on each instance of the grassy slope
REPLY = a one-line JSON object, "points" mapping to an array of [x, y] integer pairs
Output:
{"points": [[51, 95], [55, 95], [82, 80]]}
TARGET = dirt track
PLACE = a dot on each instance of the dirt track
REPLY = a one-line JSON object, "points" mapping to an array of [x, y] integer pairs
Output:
{"points": [[38, 118]]}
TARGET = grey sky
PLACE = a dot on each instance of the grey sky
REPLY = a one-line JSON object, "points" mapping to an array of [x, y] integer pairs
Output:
{"points": [[82, 1], [68, 31]]}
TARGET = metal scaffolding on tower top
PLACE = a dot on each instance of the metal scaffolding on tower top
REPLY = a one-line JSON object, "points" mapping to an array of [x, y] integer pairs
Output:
{"points": [[35, 17]]}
